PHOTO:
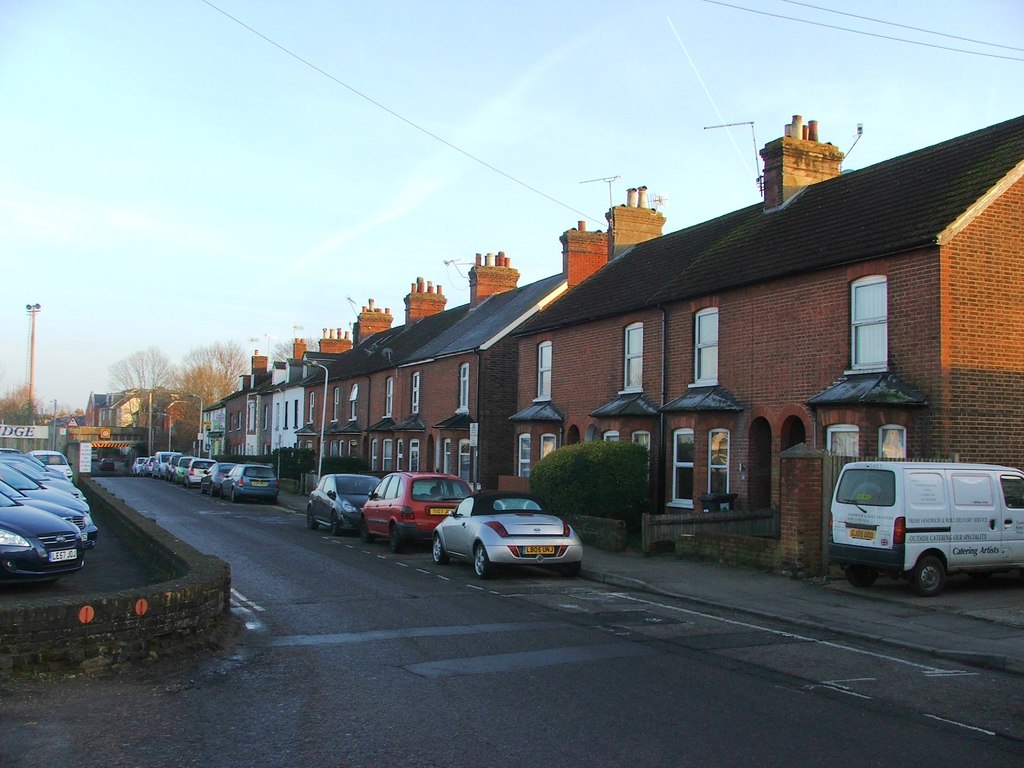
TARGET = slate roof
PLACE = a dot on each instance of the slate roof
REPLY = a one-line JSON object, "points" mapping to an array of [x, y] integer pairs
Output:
{"points": [[869, 388], [714, 398], [631, 404], [887, 208]]}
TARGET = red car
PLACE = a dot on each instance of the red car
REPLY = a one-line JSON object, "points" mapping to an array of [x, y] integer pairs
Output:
{"points": [[405, 507]]}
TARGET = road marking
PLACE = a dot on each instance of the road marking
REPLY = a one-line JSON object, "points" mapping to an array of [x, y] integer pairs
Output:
{"points": [[350, 638], [961, 725], [244, 602], [509, 662]]}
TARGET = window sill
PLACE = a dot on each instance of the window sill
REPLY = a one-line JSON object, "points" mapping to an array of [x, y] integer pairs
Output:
{"points": [[866, 369], [705, 383], [680, 504], [631, 390]]}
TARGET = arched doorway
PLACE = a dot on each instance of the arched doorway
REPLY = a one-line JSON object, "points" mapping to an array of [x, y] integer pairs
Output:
{"points": [[759, 472], [793, 432], [573, 435]]}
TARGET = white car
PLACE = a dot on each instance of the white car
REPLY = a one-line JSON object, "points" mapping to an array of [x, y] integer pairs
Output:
{"points": [[497, 528], [139, 465], [55, 460]]}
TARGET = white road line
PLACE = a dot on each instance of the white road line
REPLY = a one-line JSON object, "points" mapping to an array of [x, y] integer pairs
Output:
{"points": [[242, 600], [961, 725]]}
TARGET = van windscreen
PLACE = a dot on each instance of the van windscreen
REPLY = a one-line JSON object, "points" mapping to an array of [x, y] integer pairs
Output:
{"points": [[867, 487]]}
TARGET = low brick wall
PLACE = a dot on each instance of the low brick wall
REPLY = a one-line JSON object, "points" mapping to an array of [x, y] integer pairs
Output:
{"points": [[188, 609], [668, 527], [600, 532], [752, 551]]}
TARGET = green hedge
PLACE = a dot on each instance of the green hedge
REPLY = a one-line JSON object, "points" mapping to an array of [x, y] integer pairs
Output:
{"points": [[600, 479]]}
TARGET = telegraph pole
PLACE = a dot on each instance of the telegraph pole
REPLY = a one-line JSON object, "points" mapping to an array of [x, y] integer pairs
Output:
{"points": [[33, 310]]}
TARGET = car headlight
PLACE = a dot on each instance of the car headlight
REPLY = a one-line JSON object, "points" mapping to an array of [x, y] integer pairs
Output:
{"points": [[347, 506], [88, 519], [12, 539]]}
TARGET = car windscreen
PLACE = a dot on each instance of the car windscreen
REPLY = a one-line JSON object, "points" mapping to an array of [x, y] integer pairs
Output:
{"points": [[200, 464], [439, 489], [51, 458], [17, 480], [356, 486], [867, 487], [258, 472]]}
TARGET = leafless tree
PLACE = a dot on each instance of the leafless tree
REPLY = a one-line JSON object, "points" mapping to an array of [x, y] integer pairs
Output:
{"points": [[14, 406], [145, 369]]}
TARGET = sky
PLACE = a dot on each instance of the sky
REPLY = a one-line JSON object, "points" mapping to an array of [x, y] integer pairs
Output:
{"points": [[175, 173]]}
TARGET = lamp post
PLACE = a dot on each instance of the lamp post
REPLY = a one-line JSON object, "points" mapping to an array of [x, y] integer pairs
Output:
{"points": [[323, 420], [199, 435], [33, 310], [149, 439], [53, 428]]}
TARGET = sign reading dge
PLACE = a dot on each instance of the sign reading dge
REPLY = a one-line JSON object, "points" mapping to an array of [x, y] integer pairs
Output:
{"points": [[28, 432]]}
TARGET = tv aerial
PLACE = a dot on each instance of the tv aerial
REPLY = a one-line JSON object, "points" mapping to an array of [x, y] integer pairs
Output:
{"points": [[757, 159], [607, 180]]}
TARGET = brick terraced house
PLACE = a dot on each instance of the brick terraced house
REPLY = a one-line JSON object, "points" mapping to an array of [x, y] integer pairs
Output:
{"points": [[876, 312]]}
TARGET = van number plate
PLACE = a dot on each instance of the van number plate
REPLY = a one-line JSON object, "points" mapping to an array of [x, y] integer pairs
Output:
{"points": [[862, 533]]}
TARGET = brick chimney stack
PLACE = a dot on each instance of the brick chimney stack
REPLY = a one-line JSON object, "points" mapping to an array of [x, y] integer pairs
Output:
{"points": [[795, 161], [371, 320], [259, 362], [583, 253], [490, 275], [632, 223], [298, 349], [423, 301], [333, 341]]}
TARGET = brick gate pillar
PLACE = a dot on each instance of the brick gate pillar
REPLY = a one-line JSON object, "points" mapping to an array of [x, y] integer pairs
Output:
{"points": [[801, 508]]}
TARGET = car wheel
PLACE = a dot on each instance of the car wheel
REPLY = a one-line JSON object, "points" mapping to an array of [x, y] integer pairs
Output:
{"points": [[364, 531], [235, 498], [395, 540], [572, 570], [212, 494], [336, 527], [437, 551], [311, 522], [929, 576], [860, 575], [202, 489], [481, 562]]}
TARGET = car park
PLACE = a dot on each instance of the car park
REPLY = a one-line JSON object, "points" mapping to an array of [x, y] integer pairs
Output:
{"points": [[493, 529], [211, 481], [36, 545], [195, 470], [250, 481], [55, 459], [405, 507], [337, 502], [81, 520]]}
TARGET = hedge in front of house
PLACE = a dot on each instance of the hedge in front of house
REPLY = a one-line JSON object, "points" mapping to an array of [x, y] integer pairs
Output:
{"points": [[598, 478], [344, 465]]}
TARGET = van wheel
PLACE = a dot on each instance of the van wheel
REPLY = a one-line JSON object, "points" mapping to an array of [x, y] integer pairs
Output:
{"points": [[929, 576], [860, 575]]}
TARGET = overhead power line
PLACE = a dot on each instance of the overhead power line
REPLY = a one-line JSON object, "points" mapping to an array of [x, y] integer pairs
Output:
{"points": [[397, 115], [862, 32]]}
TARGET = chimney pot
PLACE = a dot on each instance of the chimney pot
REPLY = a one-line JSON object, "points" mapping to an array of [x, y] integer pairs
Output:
{"points": [[631, 197], [641, 197], [812, 130], [479, 260], [581, 226]]}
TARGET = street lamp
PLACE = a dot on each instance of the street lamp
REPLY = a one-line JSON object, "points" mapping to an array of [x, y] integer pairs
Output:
{"points": [[323, 420], [199, 435], [53, 428], [33, 310]]}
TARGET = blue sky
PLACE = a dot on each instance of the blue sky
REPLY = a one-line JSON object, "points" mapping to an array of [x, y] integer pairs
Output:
{"points": [[171, 177]]}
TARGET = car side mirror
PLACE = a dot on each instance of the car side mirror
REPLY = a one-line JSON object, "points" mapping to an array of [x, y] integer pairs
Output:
{"points": [[373, 496], [332, 495]]}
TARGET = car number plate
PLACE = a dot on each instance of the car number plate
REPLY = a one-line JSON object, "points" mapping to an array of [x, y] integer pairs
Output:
{"points": [[862, 533], [63, 554], [259, 483], [439, 511], [535, 550]]}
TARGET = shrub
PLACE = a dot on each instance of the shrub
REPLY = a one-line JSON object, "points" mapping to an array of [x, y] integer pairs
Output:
{"points": [[293, 462], [601, 479], [346, 465]]}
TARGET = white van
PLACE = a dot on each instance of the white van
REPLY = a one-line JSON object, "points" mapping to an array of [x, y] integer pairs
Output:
{"points": [[922, 520]]}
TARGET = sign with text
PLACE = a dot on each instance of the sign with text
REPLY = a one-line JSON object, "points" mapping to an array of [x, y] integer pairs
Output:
{"points": [[84, 458], [25, 433]]}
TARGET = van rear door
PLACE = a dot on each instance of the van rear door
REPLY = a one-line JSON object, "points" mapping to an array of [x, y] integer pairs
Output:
{"points": [[862, 515]]}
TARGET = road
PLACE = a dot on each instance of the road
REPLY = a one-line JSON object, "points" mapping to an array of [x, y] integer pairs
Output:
{"points": [[352, 656]]}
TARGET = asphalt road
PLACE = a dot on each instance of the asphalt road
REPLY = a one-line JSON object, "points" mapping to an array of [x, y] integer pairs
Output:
{"points": [[352, 656]]}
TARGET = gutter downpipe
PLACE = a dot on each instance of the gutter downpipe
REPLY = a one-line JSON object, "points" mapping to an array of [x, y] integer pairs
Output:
{"points": [[660, 501]]}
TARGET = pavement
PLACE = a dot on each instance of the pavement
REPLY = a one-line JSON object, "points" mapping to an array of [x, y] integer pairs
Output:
{"points": [[973, 622]]}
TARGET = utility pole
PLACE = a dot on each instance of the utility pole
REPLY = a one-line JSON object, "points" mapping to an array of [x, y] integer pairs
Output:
{"points": [[33, 310]]}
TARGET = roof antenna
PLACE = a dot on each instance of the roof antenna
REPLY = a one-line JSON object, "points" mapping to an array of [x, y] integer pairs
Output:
{"points": [[607, 180], [860, 132], [757, 159]]}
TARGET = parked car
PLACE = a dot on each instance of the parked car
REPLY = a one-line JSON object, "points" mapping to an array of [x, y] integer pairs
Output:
{"points": [[81, 520], [147, 470], [160, 461], [28, 485], [172, 473], [405, 507], [337, 502], [211, 481], [250, 481], [55, 459], [36, 545], [498, 528], [195, 470], [139, 466], [47, 478], [107, 464]]}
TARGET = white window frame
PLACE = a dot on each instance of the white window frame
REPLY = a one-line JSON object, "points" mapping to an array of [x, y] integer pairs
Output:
{"points": [[544, 370], [839, 433], [389, 395], [610, 436], [678, 465], [548, 443], [705, 347], [312, 407], [642, 437], [523, 448], [399, 455], [415, 401], [446, 456], [892, 441], [373, 454], [865, 320], [387, 454], [337, 402], [463, 388], [414, 455], [633, 358], [718, 468], [465, 459], [353, 398]]}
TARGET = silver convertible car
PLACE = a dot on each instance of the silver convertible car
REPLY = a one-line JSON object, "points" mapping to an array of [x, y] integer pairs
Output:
{"points": [[497, 528]]}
